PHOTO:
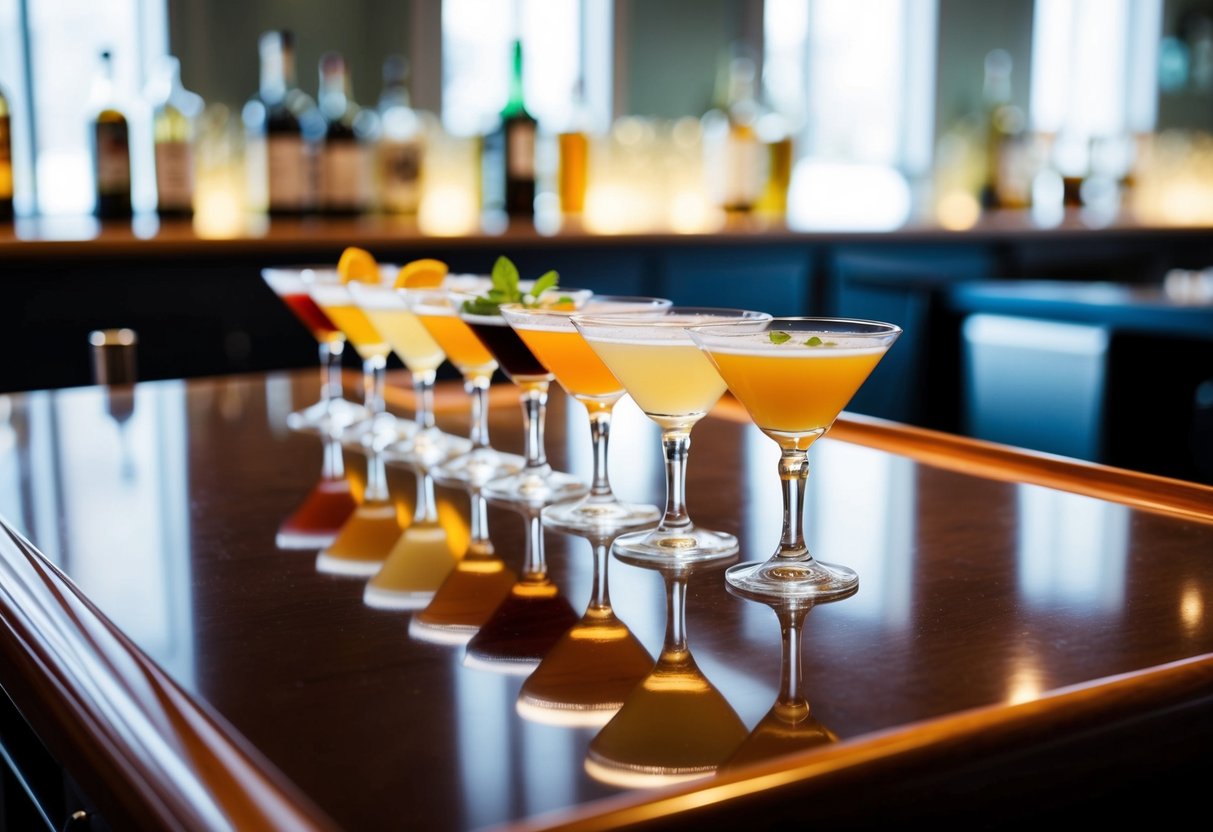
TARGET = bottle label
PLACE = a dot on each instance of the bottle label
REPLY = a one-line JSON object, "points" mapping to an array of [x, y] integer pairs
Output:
{"points": [[400, 175], [286, 167], [520, 144], [113, 158], [6, 160], [174, 175], [343, 176]]}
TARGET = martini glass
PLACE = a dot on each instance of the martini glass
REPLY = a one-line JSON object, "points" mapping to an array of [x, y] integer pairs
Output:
{"points": [[333, 412], [675, 385], [794, 376], [552, 338], [366, 539], [327, 506], [435, 308], [334, 297], [586, 676], [389, 313], [675, 725], [537, 481], [790, 725]]}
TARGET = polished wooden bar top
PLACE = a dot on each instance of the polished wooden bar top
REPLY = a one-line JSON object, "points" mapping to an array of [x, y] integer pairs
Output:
{"points": [[1031, 635]]}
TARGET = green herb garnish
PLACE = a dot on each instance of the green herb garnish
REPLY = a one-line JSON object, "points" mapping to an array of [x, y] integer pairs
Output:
{"points": [[778, 337], [813, 342], [505, 289]]}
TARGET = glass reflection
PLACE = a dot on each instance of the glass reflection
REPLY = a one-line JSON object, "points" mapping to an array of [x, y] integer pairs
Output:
{"points": [[585, 677], [790, 725], [476, 586], [533, 615], [366, 539], [325, 509], [675, 725]]}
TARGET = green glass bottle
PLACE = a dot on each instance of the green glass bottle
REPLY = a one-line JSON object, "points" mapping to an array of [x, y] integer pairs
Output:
{"points": [[509, 153]]}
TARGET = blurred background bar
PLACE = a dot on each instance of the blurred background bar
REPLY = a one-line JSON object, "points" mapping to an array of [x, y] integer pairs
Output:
{"points": [[873, 158]]}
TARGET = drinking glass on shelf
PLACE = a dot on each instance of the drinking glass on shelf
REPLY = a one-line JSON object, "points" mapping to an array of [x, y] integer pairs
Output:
{"points": [[435, 308], [552, 338], [334, 297], [537, 481], [332, 412], [675, 385], [388, 312], [794, 376]]}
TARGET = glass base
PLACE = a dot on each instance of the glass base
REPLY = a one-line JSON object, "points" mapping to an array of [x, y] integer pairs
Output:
{"points": [[535, 487], [395, 599], [598, 515], [800, 577], [326, 417], [683, 545], [427, 448], [477, 466], [452, 634], [377, 431]]}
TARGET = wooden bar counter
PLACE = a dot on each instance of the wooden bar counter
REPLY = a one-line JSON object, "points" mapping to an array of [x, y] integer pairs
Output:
{"points": [[1031, 640]]}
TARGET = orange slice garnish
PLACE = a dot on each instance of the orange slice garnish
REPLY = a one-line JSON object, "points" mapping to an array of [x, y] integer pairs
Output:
{"points": [[421, 274], [357, 264]]}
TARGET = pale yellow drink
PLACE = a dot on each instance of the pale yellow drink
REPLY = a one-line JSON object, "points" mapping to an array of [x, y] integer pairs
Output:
{"points": [[576, 366], [790, 387], [408, 337], [667, 375], [358, 330]]}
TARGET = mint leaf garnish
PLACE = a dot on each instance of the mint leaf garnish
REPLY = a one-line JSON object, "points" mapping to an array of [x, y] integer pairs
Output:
{"points": [[544, 283], [504, 288], [813, 342], [778, 337]]}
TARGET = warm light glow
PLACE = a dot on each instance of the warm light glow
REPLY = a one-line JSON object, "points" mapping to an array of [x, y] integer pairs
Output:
{"points": [[691, 213], [1192, 608], [958, 211], [826, 195], [1026, 681], [218, 209], [448, 211], [612, 209]]}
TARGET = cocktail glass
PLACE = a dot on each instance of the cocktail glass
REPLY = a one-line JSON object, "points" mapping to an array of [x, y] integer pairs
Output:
{"points": [[435, 308], [332, 412], [366, 539], [675, 385], [389, 313], [552, 338], [537, 481], [328, 505], [794, 376], [334, 297]]}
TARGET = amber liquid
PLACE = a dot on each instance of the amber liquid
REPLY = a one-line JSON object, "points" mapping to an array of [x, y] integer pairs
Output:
{"points": [[784, 730], [675, 725], [467, 598], [574, 169], [416, 566], [365, 540], [587, 675], [523, 628]]}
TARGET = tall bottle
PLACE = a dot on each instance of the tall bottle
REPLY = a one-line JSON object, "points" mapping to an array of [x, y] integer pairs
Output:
{"points": [[1003, 185], [6, 161], [508, 178], [174, 119], [573, 143], [400, 155], [279, 166], [343, 171], [735, 159], [110, 145]]}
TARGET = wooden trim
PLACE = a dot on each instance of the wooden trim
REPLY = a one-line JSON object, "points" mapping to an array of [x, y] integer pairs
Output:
{"points": [[148, 753]]}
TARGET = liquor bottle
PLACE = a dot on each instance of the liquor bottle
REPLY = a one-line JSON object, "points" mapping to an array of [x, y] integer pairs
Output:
{"points": [[279, 167], [173, 127], [508, 177], [110, 144], [6, 162], [400, 155], [574, 150], [343, 171], [1004, 185], [735, 159]]}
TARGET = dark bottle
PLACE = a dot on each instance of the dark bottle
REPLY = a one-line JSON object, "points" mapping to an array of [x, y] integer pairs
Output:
{"points": [[6, 162], [279, 165], [110, 145], [508, 177], [343, 172]]}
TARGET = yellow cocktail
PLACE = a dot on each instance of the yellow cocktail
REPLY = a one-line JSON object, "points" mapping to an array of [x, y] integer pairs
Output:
{"points": [[654, 358], [560, 348], [794, 376]]}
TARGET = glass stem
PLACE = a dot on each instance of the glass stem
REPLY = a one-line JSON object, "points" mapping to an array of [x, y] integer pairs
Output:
{"points": [[479, 524], [423, 388], [600, 434], [794, 475], [425, 511], [675, 649], [791, 682], [534, 411], [373, 376], [600, 599], [376, 477], [477, 388], [676, 444], [330, 362], [334, 463], [534, 566]]}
